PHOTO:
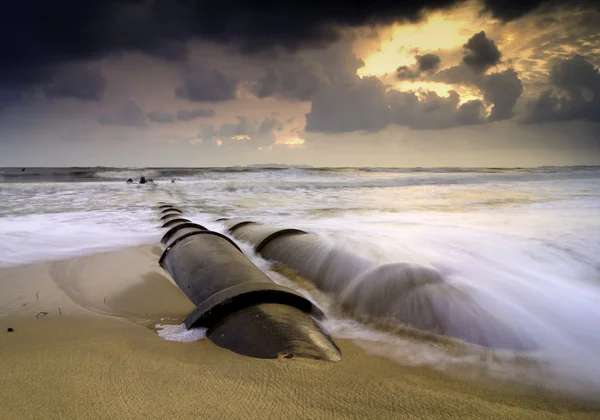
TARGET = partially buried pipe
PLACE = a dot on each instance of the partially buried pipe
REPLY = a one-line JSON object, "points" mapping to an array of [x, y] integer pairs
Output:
{"points": [[172, 216], [386, 294], [174, 221], [165, 206], [170, 210], [167, 215], [242, 308]]}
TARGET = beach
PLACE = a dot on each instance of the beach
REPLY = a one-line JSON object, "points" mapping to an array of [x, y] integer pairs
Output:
{"points": [[99, 356]]}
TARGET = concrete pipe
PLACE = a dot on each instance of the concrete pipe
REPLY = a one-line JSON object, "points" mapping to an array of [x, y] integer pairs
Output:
{"points": [[180, 230], [389, 294], [164, 206], [170, 209], [329, 267], [166, 215], [243, 309], [174, 221], [171, 216]]}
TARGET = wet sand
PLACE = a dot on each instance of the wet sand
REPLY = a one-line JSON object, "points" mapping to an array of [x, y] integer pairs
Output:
{"points": [[99, 357]]}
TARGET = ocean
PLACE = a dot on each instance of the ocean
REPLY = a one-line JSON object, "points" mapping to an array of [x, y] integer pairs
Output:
{"points": [[522, 243]]}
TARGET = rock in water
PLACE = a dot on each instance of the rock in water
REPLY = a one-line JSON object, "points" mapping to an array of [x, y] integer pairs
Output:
{"points": [[129, 181], [142, 180]]}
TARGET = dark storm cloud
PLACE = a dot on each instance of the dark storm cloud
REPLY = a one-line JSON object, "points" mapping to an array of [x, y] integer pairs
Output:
{"points": [[432, 111], [481, 53], [76, 81], [351, 103], [575, 93], [202, 84], [161, 117], [36, 35], [428, 62], [455, 75], [245, 133], [367, 106], [357, 106], [192, 114], [576, 76], [429, 111], [288, 83], [297, 77], [471, 112], [502, 90], [129, 114], [507, 10], [407, 73]]}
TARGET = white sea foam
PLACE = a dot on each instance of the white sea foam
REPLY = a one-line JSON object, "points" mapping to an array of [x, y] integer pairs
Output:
{"points": [[180, 333]]}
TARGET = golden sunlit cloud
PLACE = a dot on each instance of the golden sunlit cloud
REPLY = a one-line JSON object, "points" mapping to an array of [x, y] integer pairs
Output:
{"points": [[440, 31], [291, 141], [442, 89], [529, 45], [242, 137], [443, 33]]}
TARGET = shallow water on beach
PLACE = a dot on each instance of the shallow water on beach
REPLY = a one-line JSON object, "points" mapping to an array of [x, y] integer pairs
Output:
{"points": [[523, 242]]}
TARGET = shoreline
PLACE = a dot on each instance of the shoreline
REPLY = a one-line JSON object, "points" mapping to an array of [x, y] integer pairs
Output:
{"points": [[100, 354]]}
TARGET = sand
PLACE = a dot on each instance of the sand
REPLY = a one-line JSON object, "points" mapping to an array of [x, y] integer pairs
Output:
{"points": [[99, 357]]}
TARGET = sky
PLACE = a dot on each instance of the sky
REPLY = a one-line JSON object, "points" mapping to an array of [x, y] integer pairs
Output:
{"points": [[485, 83]]}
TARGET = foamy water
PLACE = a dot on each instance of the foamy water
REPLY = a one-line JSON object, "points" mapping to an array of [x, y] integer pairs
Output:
{"points": [[180, 333], [523, 243]]}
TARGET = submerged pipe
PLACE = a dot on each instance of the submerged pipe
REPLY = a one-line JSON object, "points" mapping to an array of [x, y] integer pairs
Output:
{"points": [[330, 268], [171, 216], [174, 221], [165, 216], [165, 206], [170, 210], [181, 230], [243, 309], [387, 294]]}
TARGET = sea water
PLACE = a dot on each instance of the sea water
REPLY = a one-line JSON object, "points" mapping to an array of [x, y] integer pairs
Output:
{"points": [[525, 243]]}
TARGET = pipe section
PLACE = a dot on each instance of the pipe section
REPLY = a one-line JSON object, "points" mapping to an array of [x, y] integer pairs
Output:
{"points": [[260, 235], [329, 267], [166, 215], [175, 221], [389, 294], [165, 207], [172, 216], [171, 210], [180, 231], [228, 278], [243, 309]]}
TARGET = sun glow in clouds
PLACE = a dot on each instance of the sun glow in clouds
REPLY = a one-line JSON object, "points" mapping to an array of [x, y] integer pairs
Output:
{"points": [[292, 141], [440, 31], [242, 137], [442, 89]]}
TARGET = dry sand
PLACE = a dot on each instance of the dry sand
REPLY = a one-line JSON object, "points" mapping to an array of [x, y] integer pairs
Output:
{"points": [[98, 357]]}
